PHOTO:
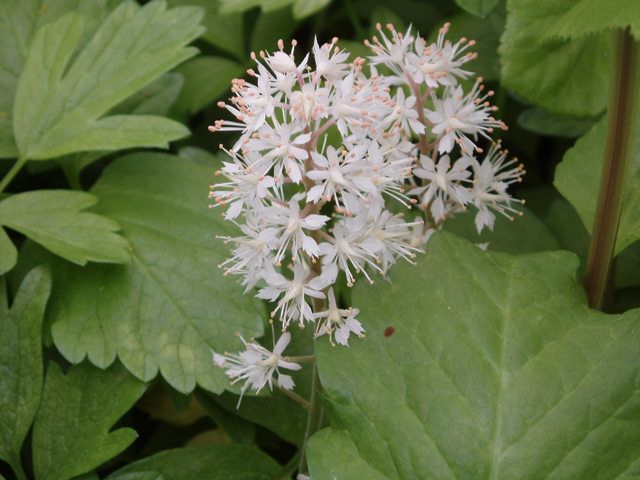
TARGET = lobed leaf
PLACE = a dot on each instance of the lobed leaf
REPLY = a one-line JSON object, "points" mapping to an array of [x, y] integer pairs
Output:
{"points": [[21, 361], [169, 307], [212, 462], [19, 20], [577, 178], [564, 77], [58, 109], [53, 219], [71, 434], [494, 368]]}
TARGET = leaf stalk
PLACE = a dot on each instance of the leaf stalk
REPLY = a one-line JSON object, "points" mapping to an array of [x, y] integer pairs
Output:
{"points": [[623, 101]]}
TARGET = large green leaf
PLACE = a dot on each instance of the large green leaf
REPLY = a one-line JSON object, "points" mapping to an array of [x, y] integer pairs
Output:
{"points": [[58, 110], [21, 361], [593, 16], [578, 180], [53, 219], [212, 462], [18, 22], [205, 80], [71, 434], [223, 31], [565, 77], [171, 306], [494, 368]]}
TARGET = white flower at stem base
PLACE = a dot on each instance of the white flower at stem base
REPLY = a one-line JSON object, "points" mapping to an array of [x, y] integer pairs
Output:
{"points": [[257, 365], [338, 320]]}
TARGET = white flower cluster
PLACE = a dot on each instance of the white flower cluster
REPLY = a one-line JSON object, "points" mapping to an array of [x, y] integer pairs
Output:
{"points": [[319, 206]]}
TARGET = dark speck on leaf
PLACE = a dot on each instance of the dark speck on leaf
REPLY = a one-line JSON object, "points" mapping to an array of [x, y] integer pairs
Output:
{"points": [[389, 331]]}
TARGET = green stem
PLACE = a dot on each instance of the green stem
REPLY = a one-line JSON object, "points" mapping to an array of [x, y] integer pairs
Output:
{"points": [[314, 420], [623, 100], [12, 173], [293, 396]]}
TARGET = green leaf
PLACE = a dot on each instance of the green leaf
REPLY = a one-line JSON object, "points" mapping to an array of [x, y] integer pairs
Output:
{"points": [[58, 110], [211, 462], [593, 16], [542, 122], [20, 19], [53, 219], [238, 429], [525, 234], [154, 99], [578, 180], [21, 360], [565, 77], [495, 368], [171, 306], [8, 253], [71, 434], [205, 80], [223, 31], [478, 7]]}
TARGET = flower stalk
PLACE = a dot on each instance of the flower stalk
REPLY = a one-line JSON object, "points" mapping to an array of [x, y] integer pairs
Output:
{"points": [[623, 101]]}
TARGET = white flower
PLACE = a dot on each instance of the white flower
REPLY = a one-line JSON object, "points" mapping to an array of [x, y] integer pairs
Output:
{"points": [[490, 186], [457, 116], [445, 183], [329, 66], [440, 62], [293, 304], [350, 248], [257, 365], [291, 228], [391, 52], [338, 320]]}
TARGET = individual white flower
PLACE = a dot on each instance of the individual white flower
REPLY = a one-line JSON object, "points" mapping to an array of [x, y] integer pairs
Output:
{"points": [[341, 321], [329, 66], [391, 52], [339, 176], [293, 304], [403, 114], [490, 182], [291, 227], [257, 365], [456, 116], [445, 183], [249, 183], [440, 62], [349, 249]]}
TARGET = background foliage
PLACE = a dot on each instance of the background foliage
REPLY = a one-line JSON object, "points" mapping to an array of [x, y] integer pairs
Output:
{"points": [[112, 300]]}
